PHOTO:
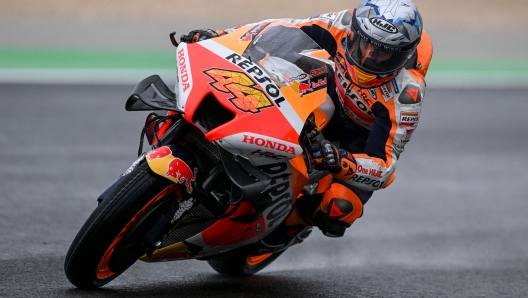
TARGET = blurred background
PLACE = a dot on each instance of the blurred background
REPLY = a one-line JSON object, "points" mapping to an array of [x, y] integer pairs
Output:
{"points": [[459, 205], [476, 42]]}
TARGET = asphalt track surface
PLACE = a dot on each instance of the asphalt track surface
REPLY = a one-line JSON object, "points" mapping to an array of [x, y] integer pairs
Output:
{"points": [[453, 224]]}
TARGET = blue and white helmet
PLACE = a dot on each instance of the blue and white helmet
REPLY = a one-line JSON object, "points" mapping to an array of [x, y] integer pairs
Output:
{"points": [[389, 27]]}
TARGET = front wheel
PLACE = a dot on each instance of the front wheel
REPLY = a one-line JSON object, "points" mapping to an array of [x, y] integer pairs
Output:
{"points": [[111, 240], [239, 264]]}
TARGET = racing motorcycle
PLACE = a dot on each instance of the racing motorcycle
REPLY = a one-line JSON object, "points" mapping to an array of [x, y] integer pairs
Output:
{"points": [[229, 153]]}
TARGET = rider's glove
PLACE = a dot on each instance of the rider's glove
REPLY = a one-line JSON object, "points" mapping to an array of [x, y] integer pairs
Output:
{"points": [[337, 161], [201, 34], [327, 156]]}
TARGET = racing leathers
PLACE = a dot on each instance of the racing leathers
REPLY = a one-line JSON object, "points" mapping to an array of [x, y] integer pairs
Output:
{"points": [[373, 125]]}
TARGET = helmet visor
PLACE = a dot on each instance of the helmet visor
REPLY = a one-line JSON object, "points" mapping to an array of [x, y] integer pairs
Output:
{"points": [[373, 57]]}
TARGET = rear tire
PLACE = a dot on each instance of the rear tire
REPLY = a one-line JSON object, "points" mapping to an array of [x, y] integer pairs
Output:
{"points": [[110, 241], [240, 264]]}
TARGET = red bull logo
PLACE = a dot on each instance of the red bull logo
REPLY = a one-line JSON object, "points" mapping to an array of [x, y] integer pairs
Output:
{"points": [[161, 152], [304, 88], [181, 171]]}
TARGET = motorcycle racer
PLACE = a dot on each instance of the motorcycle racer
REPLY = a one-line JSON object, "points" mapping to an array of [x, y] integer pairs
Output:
{"points": [[377, 85]]}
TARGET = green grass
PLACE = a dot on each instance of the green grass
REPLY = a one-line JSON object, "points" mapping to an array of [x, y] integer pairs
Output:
{"points": [[47, 64], [85, 59], [480, 65], [157, 59]]}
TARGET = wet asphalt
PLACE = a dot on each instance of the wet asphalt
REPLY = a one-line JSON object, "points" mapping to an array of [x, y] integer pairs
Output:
{"points": [[453, 224]]}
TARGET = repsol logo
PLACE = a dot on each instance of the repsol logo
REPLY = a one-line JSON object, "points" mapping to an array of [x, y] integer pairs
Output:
{"points": [[410, 119], [259, 75], [367, 181], [383, 25], [279, 192]]}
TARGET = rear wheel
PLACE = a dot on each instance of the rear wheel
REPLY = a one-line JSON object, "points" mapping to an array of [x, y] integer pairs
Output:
{"points": [[111, 240], [244, 261], [239, 264]]}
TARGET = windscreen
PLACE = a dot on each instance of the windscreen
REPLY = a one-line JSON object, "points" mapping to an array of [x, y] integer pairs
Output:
{"points": [[284, 51]]}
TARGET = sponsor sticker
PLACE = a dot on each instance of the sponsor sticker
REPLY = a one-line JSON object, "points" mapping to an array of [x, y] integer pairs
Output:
{"points": [[267, 143], [373, 93], [409, 119], [251, 34], [367, 181], [267, 154], [313, 84], [370, 171], [279, 191], [181, 171], [365, 98], [185, 78], [300, 77], [184, 207], [318, 71], [159, 153], [386, 93], [395, 85], [383, 25]]}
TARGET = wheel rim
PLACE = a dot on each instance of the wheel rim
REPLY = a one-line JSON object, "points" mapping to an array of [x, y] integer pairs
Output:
{"points": [[104, 269]]}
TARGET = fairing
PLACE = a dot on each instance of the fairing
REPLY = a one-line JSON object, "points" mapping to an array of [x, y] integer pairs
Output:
{"points": [[254, 106], [266, 100]]}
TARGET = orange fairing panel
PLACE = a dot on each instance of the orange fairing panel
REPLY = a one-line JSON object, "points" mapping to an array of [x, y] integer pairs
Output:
{"points": [[245, 89], [306, 104], [233, 40], [184, 72]]}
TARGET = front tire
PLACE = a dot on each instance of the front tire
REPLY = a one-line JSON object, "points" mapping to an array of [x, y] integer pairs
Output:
{"points": [[111, 239]]}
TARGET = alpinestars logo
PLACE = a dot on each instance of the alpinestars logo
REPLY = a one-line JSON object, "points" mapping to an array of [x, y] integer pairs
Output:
{"points": [[246, 97]]}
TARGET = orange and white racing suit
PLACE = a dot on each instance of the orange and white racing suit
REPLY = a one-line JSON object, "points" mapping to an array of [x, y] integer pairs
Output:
{"points": [[373, 125]]}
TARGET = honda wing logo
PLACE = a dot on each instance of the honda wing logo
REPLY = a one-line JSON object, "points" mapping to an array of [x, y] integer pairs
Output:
{"points": [[246, 97]]}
